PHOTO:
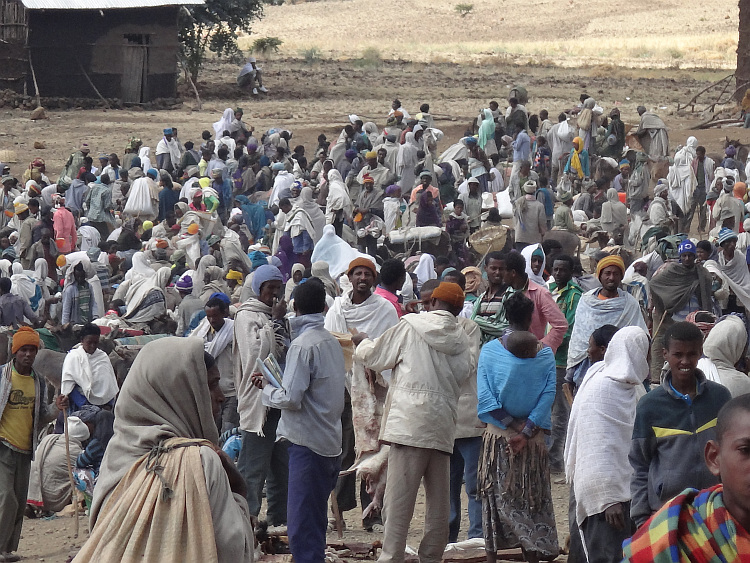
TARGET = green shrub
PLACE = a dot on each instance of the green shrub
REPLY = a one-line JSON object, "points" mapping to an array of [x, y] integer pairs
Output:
{"points": [[266, 45], [464, 9]]}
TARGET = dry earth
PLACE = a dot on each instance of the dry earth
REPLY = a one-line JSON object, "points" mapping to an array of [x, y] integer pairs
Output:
{"points": [[637, 33], [310, 99]]}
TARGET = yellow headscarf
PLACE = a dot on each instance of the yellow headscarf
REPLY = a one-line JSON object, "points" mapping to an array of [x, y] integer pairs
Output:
{"points": [[575, 160]]}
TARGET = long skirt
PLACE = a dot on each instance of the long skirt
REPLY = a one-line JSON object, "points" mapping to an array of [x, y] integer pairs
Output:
{"points": [[516, 495]]}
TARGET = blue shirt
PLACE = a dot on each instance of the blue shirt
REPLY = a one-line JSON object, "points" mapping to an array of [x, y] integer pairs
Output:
{"points": [[521, 147], [312, 399]]}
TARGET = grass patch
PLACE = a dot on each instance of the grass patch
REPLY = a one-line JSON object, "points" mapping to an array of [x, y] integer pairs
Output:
{"points": [[311, 55], [370, 58]]}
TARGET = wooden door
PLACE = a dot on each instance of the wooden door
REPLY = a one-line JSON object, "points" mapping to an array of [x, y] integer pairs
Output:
{"points": [[134, 69]]}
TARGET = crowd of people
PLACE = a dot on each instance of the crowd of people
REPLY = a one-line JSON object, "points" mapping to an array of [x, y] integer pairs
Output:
{"points": [[292, 351]]}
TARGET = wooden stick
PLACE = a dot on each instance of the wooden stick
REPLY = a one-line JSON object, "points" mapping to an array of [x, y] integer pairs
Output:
{"points": [[36, 86], [70, 472], [192, 85], [337, 515], [85, 74]]}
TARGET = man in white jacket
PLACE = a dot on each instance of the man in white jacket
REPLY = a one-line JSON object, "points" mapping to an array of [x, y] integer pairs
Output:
{"points": [[469, 430], [430, 357]]}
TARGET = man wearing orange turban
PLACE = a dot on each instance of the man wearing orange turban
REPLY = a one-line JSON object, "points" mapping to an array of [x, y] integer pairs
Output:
{"points": [[23, 414]]}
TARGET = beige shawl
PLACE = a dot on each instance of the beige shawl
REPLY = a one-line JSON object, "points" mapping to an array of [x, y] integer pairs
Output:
{"points": [[164, 396]]}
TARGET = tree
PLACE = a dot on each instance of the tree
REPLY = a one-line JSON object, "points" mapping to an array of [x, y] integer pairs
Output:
{"points": [[742, 74], [213, 27]]}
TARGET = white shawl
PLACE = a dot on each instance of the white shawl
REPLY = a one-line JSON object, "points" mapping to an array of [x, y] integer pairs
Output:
{"points": [[225, 123], [93, 373], [526, 253], [681, 178], [338, 197], [373, 316], [221, 340], [593, 313], [736, 273], [723, 347], [601, 424], [334, 250], [425, 269]]}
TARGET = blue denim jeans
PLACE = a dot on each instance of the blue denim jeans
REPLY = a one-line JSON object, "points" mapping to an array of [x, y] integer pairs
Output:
{"points": [[312, 477], [464, 465]]}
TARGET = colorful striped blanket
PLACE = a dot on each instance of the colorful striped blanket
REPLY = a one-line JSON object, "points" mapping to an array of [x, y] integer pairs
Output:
{"points": [[695, 526]]}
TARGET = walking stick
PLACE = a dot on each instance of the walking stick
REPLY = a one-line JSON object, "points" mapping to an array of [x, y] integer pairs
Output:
{"points": [[70, 471], [337, 515]]}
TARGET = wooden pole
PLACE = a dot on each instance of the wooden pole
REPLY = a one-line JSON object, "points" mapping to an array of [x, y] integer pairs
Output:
{"points": [[36, 86], [192, 85], [73, 487], [83, 70], [337, 515]]}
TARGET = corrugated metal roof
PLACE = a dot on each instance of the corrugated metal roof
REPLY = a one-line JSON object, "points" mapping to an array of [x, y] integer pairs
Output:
{"points": [[104, 4]]}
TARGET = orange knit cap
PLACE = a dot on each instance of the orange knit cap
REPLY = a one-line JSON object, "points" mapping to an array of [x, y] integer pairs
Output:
{"points": [[450, 293], [25, 336], [364, 262], [610, 261]]}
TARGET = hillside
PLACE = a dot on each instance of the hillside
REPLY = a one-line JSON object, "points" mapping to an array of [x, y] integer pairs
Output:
{"points": [[639, 33]]}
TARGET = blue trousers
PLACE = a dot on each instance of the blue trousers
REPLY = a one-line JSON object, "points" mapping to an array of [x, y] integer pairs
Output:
{"points": [[312, 477], [464, 465]]}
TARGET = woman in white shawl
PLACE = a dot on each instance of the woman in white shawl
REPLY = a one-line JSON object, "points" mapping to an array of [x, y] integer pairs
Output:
{"points": [[87, 373], [335, 251], [339, 147], [681, 178], [425, 270], [298, 270], [406, 162], [614, 212], [145, 155], [199, 277], [26, 287], [338, 201], [734, 267], [598, 443], [5, 268], [724, 346], [165, 417], [140, 267], [535, 253], [304, 221], [145, 298], [225, 123], [371, 130]]}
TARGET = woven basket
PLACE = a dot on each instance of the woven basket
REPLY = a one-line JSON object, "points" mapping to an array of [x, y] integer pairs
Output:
{"points": [[489, 239]]}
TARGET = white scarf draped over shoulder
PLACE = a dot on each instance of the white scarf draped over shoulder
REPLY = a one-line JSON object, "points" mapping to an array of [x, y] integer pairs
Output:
{"points": [[601, 424], [93, 373]]}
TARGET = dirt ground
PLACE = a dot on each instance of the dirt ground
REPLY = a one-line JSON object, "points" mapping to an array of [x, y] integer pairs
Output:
{"points": [[52, 540], [310, 99]]}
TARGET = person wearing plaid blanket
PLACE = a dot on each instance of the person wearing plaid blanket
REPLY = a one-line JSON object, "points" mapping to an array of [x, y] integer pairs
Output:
{"points": [[709, 525]]}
